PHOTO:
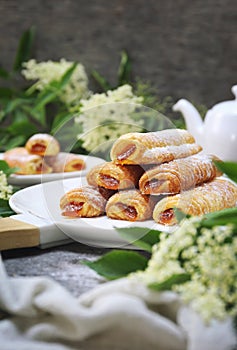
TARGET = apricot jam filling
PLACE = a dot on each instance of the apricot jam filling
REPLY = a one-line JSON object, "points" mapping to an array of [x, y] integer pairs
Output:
{"points": [[78, 166], [109, 181], [73, 209], [166, 216], [40, 167], [127, 151], [128, 210], [38, 148]]}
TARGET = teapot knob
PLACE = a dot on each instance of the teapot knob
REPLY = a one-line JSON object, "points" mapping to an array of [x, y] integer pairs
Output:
{"points": [[234, 90]]}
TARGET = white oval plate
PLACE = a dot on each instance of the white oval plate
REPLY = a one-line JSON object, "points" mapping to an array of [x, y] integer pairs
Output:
{"points": [[43, 201], [27, 180]]}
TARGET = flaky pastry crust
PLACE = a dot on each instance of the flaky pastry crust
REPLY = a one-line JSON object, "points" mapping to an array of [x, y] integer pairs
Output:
{"points": [[179, 175], [42, 145], [84, 201], [26, 164], [206, 198], [65, 162], [153, 147], [115, 176], [129, 205]]}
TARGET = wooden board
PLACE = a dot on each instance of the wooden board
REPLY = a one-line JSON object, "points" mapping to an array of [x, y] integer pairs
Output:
{"points": [[17, 234]]}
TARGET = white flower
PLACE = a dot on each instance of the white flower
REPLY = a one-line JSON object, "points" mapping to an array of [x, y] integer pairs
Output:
{"points": [[208, 256], [5, 189], [107, 116], [46, 72], [209, 306]]}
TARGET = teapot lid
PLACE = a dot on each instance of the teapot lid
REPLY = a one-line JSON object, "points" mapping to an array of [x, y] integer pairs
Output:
{"points": [[227, 106]]}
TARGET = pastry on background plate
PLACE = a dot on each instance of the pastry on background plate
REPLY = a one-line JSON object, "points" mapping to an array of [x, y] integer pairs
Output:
{"points": [[115, 176], [209, 197], [153, 147], [130, 205], [65, 162], [179, 175], [85, 201], [42, 145], [17, 151], [26, 164]]}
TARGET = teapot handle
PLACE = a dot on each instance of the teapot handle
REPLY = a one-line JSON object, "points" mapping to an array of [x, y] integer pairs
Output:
{"points": [[234, 90]]}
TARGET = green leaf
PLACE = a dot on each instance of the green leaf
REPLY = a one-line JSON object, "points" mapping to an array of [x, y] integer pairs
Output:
{"points": [[4, 166], [22, 128], [6, 169], [12, 105], [4, 73], [60, 120], [52, 90], [37, 114], [24, 48], [141, 237], [45, 97], [118, 263], [66, 76], [179, 214], [124, 69], [16, 141], [103, 83], [5, 209], [170, 282], [229, 168], [222, 217]]}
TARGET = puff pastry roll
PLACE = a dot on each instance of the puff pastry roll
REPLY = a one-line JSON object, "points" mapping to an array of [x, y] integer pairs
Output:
{"points": [[84, 202], [179, 175], [153, 147], [115, 176], [66, 162], [43, 145], [129, 205], [206, 198], [27, 164], [17, 151]]}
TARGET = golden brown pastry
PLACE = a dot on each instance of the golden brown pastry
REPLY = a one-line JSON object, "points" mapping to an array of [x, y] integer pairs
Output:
{"points": [[17, 151], [115, 176], [27, 164], [65, 162], [179, 175], [206, 198], [43, 145], [153, 147], [129, 205], [83, 202]]}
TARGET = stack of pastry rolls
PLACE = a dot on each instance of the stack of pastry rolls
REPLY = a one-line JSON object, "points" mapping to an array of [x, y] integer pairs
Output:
{"points": [[41, 155], [148, 176]]}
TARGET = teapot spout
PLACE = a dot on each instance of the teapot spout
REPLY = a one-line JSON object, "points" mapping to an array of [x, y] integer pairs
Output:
{"points": [[192, 119]]}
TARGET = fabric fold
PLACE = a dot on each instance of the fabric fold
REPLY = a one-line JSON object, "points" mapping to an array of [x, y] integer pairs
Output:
{"points": [[38, 313]]}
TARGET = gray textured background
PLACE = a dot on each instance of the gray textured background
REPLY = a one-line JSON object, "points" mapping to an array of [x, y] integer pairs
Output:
{"points": [[186, 48]]}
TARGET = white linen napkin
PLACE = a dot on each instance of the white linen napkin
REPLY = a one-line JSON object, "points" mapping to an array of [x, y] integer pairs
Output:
{"points": [[38, 313]]}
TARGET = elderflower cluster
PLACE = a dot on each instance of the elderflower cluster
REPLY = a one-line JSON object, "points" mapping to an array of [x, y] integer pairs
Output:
{"points": [[208, 257], [46, 72], [5, 189], [106, 116]]}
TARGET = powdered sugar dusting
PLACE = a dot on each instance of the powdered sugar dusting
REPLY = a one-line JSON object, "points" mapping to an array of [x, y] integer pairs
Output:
{"points": [[179, 174], [209, 197]]}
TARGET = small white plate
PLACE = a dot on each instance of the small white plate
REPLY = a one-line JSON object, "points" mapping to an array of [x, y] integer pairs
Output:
{"points": [[43, 201], [27, 180]]}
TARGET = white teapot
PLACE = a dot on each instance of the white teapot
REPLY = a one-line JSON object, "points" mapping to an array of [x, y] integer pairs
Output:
{"points": [[217, 134]]}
